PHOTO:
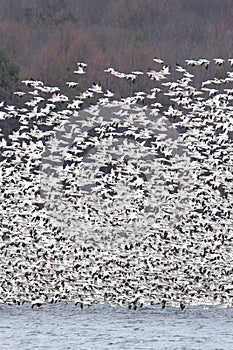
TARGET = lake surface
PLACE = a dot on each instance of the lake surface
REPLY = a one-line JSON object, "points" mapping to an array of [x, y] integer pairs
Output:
{"points": [[65, 326]]}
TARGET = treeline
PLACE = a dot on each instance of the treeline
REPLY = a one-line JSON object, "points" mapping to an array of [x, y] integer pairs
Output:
{"points": [[44, 39]]}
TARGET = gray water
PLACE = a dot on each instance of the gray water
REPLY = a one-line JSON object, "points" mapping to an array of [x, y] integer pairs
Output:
{"points": [[64, 326]]}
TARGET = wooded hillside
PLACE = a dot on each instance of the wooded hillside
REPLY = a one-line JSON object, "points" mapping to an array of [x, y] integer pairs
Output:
{"points": [[46, 38]]}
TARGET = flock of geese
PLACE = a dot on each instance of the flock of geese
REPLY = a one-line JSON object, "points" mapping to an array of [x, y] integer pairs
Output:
{"points": [[125, 201]]}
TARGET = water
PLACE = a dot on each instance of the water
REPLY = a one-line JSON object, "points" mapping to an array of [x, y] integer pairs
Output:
{"points": [[65, 327]]}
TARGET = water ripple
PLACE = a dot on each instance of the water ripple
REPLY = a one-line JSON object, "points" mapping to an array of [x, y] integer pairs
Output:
{"points": [[65, 327]]}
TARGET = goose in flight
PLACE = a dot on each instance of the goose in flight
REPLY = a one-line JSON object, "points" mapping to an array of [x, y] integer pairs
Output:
{"points": [[158, 60], [219, 61], [71, 84], [204, 62], [81, 68]]}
